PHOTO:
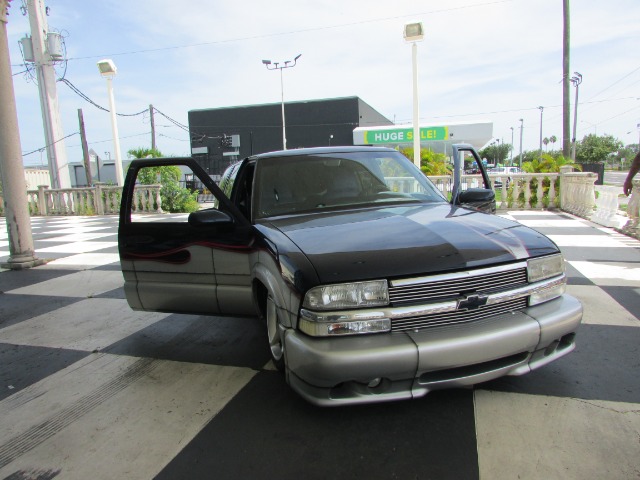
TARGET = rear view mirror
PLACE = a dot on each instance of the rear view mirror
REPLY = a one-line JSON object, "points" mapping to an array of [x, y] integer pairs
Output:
{"points": [[481, 198], [210, 217]]}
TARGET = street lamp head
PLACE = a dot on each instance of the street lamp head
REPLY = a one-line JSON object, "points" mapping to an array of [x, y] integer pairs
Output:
{"points": [[576, 79], [266, 62], [413, 32], [299, 55], [107, 68]]}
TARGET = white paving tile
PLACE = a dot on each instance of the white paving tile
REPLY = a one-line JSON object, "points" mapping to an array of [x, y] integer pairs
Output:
{"points": [[560, 223], [87, 325], [602, 241], [71, 230], [79, 237], [77, 247], [609, 273], [89, 260], [541, 437], [83, 284], [599, 308], [106, 421]]}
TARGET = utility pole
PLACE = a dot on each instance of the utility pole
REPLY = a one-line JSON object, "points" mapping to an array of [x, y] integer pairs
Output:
{"points": [[153, 128], [566, 90], [85, 150], [40, 39], [576, 80], [540, 153], [521, 129], [14, 185]]}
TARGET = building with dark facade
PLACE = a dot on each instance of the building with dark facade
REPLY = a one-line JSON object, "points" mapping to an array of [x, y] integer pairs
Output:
{"points": [[221, 136]]}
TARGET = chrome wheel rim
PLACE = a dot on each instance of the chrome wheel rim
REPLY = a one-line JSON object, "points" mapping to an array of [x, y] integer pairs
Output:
{"points": [[275, 344]]}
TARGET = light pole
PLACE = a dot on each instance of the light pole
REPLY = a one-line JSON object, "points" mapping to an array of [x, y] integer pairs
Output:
{"points": [[108, 70], [576, 80], [414, 33], [521, 129], [277, 66], [511, 146], [541, 110]]}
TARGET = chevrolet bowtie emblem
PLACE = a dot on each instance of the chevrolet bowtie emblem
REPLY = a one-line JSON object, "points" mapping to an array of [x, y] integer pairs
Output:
{"points": [[471, 302]]}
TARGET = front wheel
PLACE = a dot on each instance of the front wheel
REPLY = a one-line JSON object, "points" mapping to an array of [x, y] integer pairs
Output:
{"points": [[276, 346]]}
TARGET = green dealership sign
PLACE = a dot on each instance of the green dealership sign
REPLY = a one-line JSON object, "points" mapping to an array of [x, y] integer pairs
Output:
{"points": [[404, 135]]}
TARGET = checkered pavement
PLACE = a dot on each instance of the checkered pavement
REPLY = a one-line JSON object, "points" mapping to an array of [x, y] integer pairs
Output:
{"points": [[91, 389]]}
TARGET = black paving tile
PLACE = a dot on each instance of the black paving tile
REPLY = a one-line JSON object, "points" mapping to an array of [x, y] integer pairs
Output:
{"points": [[548, 217], [267, 431], [599, 254], [116, 293], [574, 277], [629, 298], [12, 279], [604, 366], [21, 366], [238, 342], [109, 267], [591, 232], [18, 308]]}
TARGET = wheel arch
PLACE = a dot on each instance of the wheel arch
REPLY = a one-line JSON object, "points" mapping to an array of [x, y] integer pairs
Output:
{"points": [[265, 282]]}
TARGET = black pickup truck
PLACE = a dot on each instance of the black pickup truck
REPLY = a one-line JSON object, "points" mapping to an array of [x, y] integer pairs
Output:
{"points": [[371, 283]]}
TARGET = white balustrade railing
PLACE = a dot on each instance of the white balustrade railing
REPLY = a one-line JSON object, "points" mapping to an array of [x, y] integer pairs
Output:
{"points": [[98, 200], [577, 193], [607, 206], [573, 192], [632, 226]]}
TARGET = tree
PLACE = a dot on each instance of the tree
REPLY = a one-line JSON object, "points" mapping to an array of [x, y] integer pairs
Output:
{"points": [[497, 154], [593, 148], [625, 155], [175, 198], [145, 153], [548, 164], [431, 163]]}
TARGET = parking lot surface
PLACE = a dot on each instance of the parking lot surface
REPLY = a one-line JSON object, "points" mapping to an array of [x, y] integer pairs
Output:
{"points": [[91, 389]]}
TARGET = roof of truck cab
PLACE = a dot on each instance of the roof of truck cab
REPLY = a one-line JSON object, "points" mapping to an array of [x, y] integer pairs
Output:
{"points": [[321, 151]]}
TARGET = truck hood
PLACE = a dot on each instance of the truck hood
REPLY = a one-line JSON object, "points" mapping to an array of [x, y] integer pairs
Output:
{"points": [[406, 241]]}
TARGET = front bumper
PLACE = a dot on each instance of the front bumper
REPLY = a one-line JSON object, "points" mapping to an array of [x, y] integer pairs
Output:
{"points": [[402, 365]]}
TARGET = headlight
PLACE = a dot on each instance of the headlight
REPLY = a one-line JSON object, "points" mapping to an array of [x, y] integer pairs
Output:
{"points": [[546, 267], [348, 295]]}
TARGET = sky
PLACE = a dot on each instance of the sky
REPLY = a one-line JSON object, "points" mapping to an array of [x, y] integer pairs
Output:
{"points": [[480, 60]]}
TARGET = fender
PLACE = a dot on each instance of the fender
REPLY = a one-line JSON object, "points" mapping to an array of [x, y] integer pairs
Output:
{"points": [[276, 285]]}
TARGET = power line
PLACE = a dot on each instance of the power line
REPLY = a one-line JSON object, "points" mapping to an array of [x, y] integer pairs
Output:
{"points": [[50, 144], [77, 91]]}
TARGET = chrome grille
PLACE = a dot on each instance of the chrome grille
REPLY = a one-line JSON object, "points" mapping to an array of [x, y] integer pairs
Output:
{"points": [[482, 283], [453, 287], [458, 316]]}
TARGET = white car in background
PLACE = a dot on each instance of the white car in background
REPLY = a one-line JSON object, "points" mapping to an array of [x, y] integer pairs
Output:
{"points": [[498, 173]]}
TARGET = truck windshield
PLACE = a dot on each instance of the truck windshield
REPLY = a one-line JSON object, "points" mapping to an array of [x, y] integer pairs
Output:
{"points": [[291, 184]]}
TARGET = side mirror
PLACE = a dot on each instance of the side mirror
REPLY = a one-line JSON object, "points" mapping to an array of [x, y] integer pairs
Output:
{"points": [[481, 198], [210, 217]]}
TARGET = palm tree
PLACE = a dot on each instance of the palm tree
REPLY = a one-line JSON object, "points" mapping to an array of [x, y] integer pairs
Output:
{"points": [[546, 142]]}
